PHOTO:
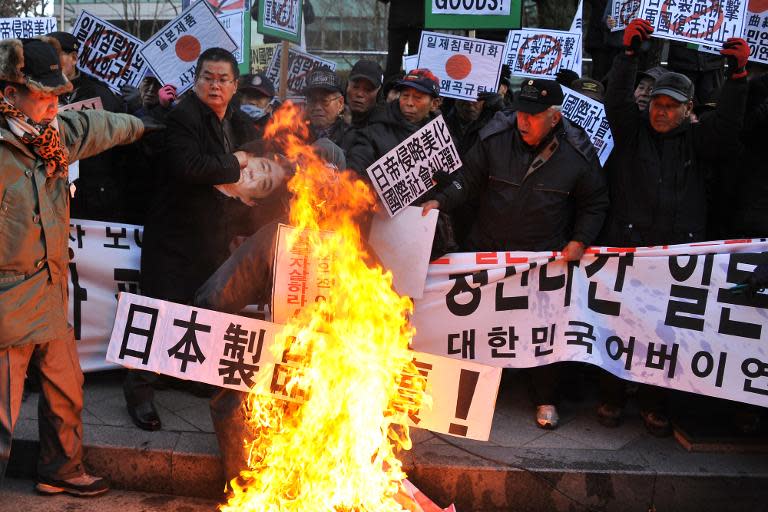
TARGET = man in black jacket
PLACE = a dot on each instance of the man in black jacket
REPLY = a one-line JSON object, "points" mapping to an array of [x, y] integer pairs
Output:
{"points": [[541, 189], [185, 236]]}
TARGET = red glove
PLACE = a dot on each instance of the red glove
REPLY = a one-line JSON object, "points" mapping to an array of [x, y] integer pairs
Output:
{"points": [[736, 50], [637, 31], [167, 95]]}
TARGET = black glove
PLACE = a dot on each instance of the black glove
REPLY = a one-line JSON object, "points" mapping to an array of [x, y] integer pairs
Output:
{"points": [[757, 281], [566, 77], [442, 179], [150, 125]]}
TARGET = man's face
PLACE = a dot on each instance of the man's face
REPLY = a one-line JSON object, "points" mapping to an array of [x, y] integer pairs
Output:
{"points": [[666, 114], [148, 92], [415, 105], [361, 95], [255, 99], [643, 92], [324, 107], [68, 62], [40, 107], [534, 128], [469, 110], [216, 85], [262, 176]]}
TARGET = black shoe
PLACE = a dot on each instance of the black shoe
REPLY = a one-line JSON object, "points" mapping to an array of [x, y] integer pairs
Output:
{"points": [[83, 485], [609, 415], [145, 416], [656, 423]]}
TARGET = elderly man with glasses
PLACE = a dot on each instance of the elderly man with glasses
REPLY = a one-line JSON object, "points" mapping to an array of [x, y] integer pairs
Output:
{"points": [[325, 106]]}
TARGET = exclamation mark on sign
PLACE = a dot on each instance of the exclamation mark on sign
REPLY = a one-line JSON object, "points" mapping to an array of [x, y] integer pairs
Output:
{"points": [[467, 385], [501, 5]]}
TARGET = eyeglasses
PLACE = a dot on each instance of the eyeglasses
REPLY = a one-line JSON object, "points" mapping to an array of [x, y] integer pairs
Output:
{"points": [[207, 80], [324, 102]]}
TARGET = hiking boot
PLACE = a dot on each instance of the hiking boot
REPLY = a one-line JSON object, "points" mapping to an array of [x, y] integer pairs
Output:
{"points": [[547, 417], [656, 423], [83, 485], [609, 415]]}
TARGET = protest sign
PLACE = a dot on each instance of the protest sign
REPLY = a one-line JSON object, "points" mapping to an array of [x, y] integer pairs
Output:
{"points": [[233, 24], [89, 104], [239, 353], [755, 33], [108, 53], [300, 64], [23, 28], [482, 7], [281, 19], [172, 53], [410, 62], [590, 115], [464, 65], [468, 14], [664, 316], [261, 56], [405, 173], [707, 22], [537, 53], [623, 12]]}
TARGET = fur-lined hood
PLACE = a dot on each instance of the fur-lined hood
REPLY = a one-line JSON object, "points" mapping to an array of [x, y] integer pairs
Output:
{"points": [[12, 63]]}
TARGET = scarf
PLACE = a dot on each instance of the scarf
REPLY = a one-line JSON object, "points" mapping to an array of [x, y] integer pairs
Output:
{"points": [[44, 139]]}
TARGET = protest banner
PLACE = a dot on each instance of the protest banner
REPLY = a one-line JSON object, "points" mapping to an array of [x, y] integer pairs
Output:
{"points": [[261, 56], [239, 353], [664, 316], [623, 12], [590, 115], [538, 53], [300, 64], [469, 14], [172, 53], [706, 22], [405, 173], [281, 19], [89, 104], [23, 28], [755, 33], [108, 53], [465, 66]]}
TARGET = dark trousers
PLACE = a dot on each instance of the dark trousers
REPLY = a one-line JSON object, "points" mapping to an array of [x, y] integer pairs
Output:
{"points": [[544, 383], [397, 37], [612, 392]]}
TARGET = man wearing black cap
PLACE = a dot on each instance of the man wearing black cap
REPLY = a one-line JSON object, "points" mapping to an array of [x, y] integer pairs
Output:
{"points": [[540, 188], [36, 146], [255, 94], [325, 105], [363, 90]]}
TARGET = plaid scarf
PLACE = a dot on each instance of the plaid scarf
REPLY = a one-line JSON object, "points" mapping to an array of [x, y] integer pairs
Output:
{"points": [[44, 139]]}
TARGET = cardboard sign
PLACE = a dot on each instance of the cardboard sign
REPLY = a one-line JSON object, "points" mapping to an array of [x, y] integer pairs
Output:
{"points": [[405, 173], [23, 28], [590, 115], [537, 53], [300, 64], [172, 53], [281, 19], [108, 53], [89, 104], [468, 14], [464, 65], [623, 12], [707, 22]]}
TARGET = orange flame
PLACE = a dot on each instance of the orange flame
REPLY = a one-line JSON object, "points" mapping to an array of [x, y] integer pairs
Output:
{"points": [[336, 449]]}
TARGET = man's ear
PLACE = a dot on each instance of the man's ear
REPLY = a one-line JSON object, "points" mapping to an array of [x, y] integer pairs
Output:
{"points": [[556, 116], [688, 110], [435, 104]]}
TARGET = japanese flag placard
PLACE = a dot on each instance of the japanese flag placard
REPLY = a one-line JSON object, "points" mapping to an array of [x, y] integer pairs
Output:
{"points": [[172, 53], [538, 53], [465, 66]]}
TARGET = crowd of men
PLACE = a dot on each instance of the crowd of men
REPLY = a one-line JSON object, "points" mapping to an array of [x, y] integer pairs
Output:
{"points": [[683, 169]]}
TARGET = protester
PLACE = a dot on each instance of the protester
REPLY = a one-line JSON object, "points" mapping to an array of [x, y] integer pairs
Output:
{"points": [[540, 189], [657, 175], [187, 234], [705, 70], [644, 86], [325, 106], [403, 26], [36, 146], [255, 94], [363, 88], [590, 88]]}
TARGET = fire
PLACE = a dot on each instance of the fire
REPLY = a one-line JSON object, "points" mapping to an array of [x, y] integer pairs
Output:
{"points": [[335, 450]]}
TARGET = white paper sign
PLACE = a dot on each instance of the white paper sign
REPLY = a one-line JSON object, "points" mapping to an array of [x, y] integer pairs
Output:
{"points": [[89, 104], [465, 66], [410, 62], [21, 28], [623, 12], [474, 7], [172, 53], [707, 22], [590, 115], [542, 53], [108, 53], [405, 173], [300, 65], [755, 33], [233, 23]]}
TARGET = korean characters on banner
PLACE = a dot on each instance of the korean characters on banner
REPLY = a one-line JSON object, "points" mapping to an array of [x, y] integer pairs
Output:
{"points": [[108, 53], [590, 115], [300, 64], [476, 7], [706, 22], [537, 53], [464, 65], [281, 19], [623, 12], [172, 53], [104, 261], [22, 28], [665, 316], [405, 173]]}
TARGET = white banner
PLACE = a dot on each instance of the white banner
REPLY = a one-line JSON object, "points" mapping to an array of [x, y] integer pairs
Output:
{"points": [[172, 53], [590, 115], [465, 66], [108, 53], [89, 104], [706, 22], [664, 316], [539, 53], [22, 28], [300, 65], [405, 173], [623, 12], [474, 7], [410, 62], [755, 33], [237, 353]]}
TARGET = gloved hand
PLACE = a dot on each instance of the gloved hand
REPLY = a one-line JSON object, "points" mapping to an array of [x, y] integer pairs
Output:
{"points": [[637, 31], [167, 95], [736, 50], [150, 125], [442, 179], [566, 77], [757, 281]]}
